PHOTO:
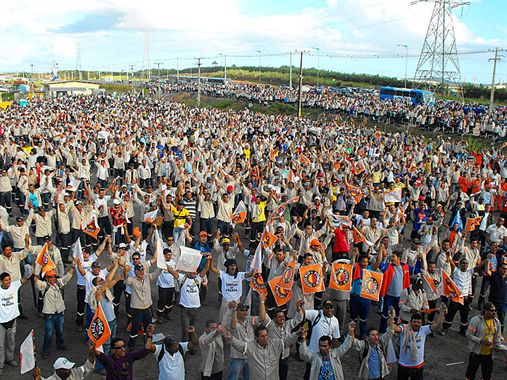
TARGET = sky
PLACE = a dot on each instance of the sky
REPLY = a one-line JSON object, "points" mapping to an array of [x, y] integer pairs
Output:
{"points": [[353, 36]]}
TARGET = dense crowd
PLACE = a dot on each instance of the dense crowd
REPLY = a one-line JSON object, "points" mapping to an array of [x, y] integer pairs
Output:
{"points": [[447, 116], [104, 186]]}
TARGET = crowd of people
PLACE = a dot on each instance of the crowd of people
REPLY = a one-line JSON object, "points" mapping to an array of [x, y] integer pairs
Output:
{"points": [[445, 115], [102, 186]]}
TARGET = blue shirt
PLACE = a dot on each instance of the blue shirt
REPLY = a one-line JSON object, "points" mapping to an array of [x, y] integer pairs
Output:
{"points": [[396, 285], [326, 371], [374, 371]]}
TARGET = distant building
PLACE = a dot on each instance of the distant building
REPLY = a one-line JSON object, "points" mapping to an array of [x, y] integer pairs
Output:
{"points": [[61, 88]]}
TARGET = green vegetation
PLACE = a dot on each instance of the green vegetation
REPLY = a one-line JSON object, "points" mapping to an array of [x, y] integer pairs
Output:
{"points": [[118, 88]]}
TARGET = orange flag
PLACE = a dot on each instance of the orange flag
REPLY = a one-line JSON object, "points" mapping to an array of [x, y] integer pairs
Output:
{"points": [[312, 280], [50, 265], [290, 178], [92, 230], [42, 257], [268, 239], [258, 284], [281, 295], [355, 193], [358, 236], [341, 277], [432, 284], [99, 331], [359, 168], [473, 223], [304, 160], [451, 290], [287, 277], [239, 215], [377, 135], [372, 283]]}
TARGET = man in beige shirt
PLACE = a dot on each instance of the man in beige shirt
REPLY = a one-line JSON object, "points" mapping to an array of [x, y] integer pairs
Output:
{"points": [[10, 263], [141, 300], [43, 224], [53, 308], [18, 231]]}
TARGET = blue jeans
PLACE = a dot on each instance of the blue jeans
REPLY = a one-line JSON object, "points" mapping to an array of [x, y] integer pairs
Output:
{"points": [[52, 322], [388, 302], [225, 228], [107, 346], [359, 307], [236, 367]]}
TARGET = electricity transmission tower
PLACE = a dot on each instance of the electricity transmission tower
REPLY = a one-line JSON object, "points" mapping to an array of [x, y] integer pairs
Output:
{"points": [[78, 63], [438, 62], [146, 73]]}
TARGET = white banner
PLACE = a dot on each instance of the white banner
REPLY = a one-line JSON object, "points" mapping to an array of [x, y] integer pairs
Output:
{"points": [[27, 354], [189, 260]]}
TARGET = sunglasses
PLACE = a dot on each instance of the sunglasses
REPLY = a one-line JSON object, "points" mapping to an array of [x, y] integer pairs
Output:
{"points": [[328, 307], [492, 310], [51, 277], [119, 348]]}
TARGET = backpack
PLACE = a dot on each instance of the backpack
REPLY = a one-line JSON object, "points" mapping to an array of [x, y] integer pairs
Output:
{"points": [[310, 326], [42, 293], [162, 353], [367, 350]]}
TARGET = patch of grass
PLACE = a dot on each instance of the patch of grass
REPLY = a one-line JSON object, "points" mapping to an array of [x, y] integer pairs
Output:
{"points": [[118, 88]]}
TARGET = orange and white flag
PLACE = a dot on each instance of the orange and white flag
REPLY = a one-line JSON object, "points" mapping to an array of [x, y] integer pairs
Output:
{"points": [[473, 223], [268, 239], [451, 290], [312, 280], [341, 277], [287, 277], [239, 215], [99, 331], [281, 295], [371, 285]]}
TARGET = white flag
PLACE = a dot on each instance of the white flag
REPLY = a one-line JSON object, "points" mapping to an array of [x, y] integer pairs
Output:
{"points": [[189, 260], [26, 354], [159, 251], [393, 196], [150, 216], [77, 250]]}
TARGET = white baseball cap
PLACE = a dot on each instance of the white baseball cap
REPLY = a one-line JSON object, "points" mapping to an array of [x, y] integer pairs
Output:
{"points": [[63, 363]]}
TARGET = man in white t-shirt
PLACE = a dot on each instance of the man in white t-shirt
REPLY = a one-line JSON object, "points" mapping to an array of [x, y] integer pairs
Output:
{"points": [[497, 233], [189, 295], [231, 283], [9, 311], [323, 323], [462, 277], [170, 355], [412, 339]]}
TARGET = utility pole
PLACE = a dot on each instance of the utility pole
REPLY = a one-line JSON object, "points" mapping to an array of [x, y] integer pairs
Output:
{"points": [[290, 70], [31, 65], [158, 68], [492, 95], [300, 93], [131, 67], [198, 82]]}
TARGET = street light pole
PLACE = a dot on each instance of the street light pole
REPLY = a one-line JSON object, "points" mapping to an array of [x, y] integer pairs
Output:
{"points": [[199, 82], [406, 61], [290, 70], [300, 92], [318, 64], [260, 65], [225, 67]]}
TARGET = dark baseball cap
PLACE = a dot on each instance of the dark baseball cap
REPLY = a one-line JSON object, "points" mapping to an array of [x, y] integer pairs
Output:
{"points": [[139, 267], [96, 264]]}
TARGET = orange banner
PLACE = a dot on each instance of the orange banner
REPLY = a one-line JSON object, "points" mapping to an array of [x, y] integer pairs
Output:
{"points": [[372, 283], [287, 277], [358, 236], [43, 256], [451, 290], [99, 331], [355, 192], [268, 239], [312, 280], [50, 265], [341, 277], [359, 168], [281, 295], [258, 284], [92, 230], [473, 223]]}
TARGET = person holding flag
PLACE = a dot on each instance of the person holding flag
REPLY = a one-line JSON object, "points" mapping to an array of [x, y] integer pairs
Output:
{"points": [[360, 306], [45, 253], [462, 278], [53, 307]]}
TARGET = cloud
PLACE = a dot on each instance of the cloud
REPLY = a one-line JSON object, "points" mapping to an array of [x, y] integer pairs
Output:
{"points": [[92, 22]]}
